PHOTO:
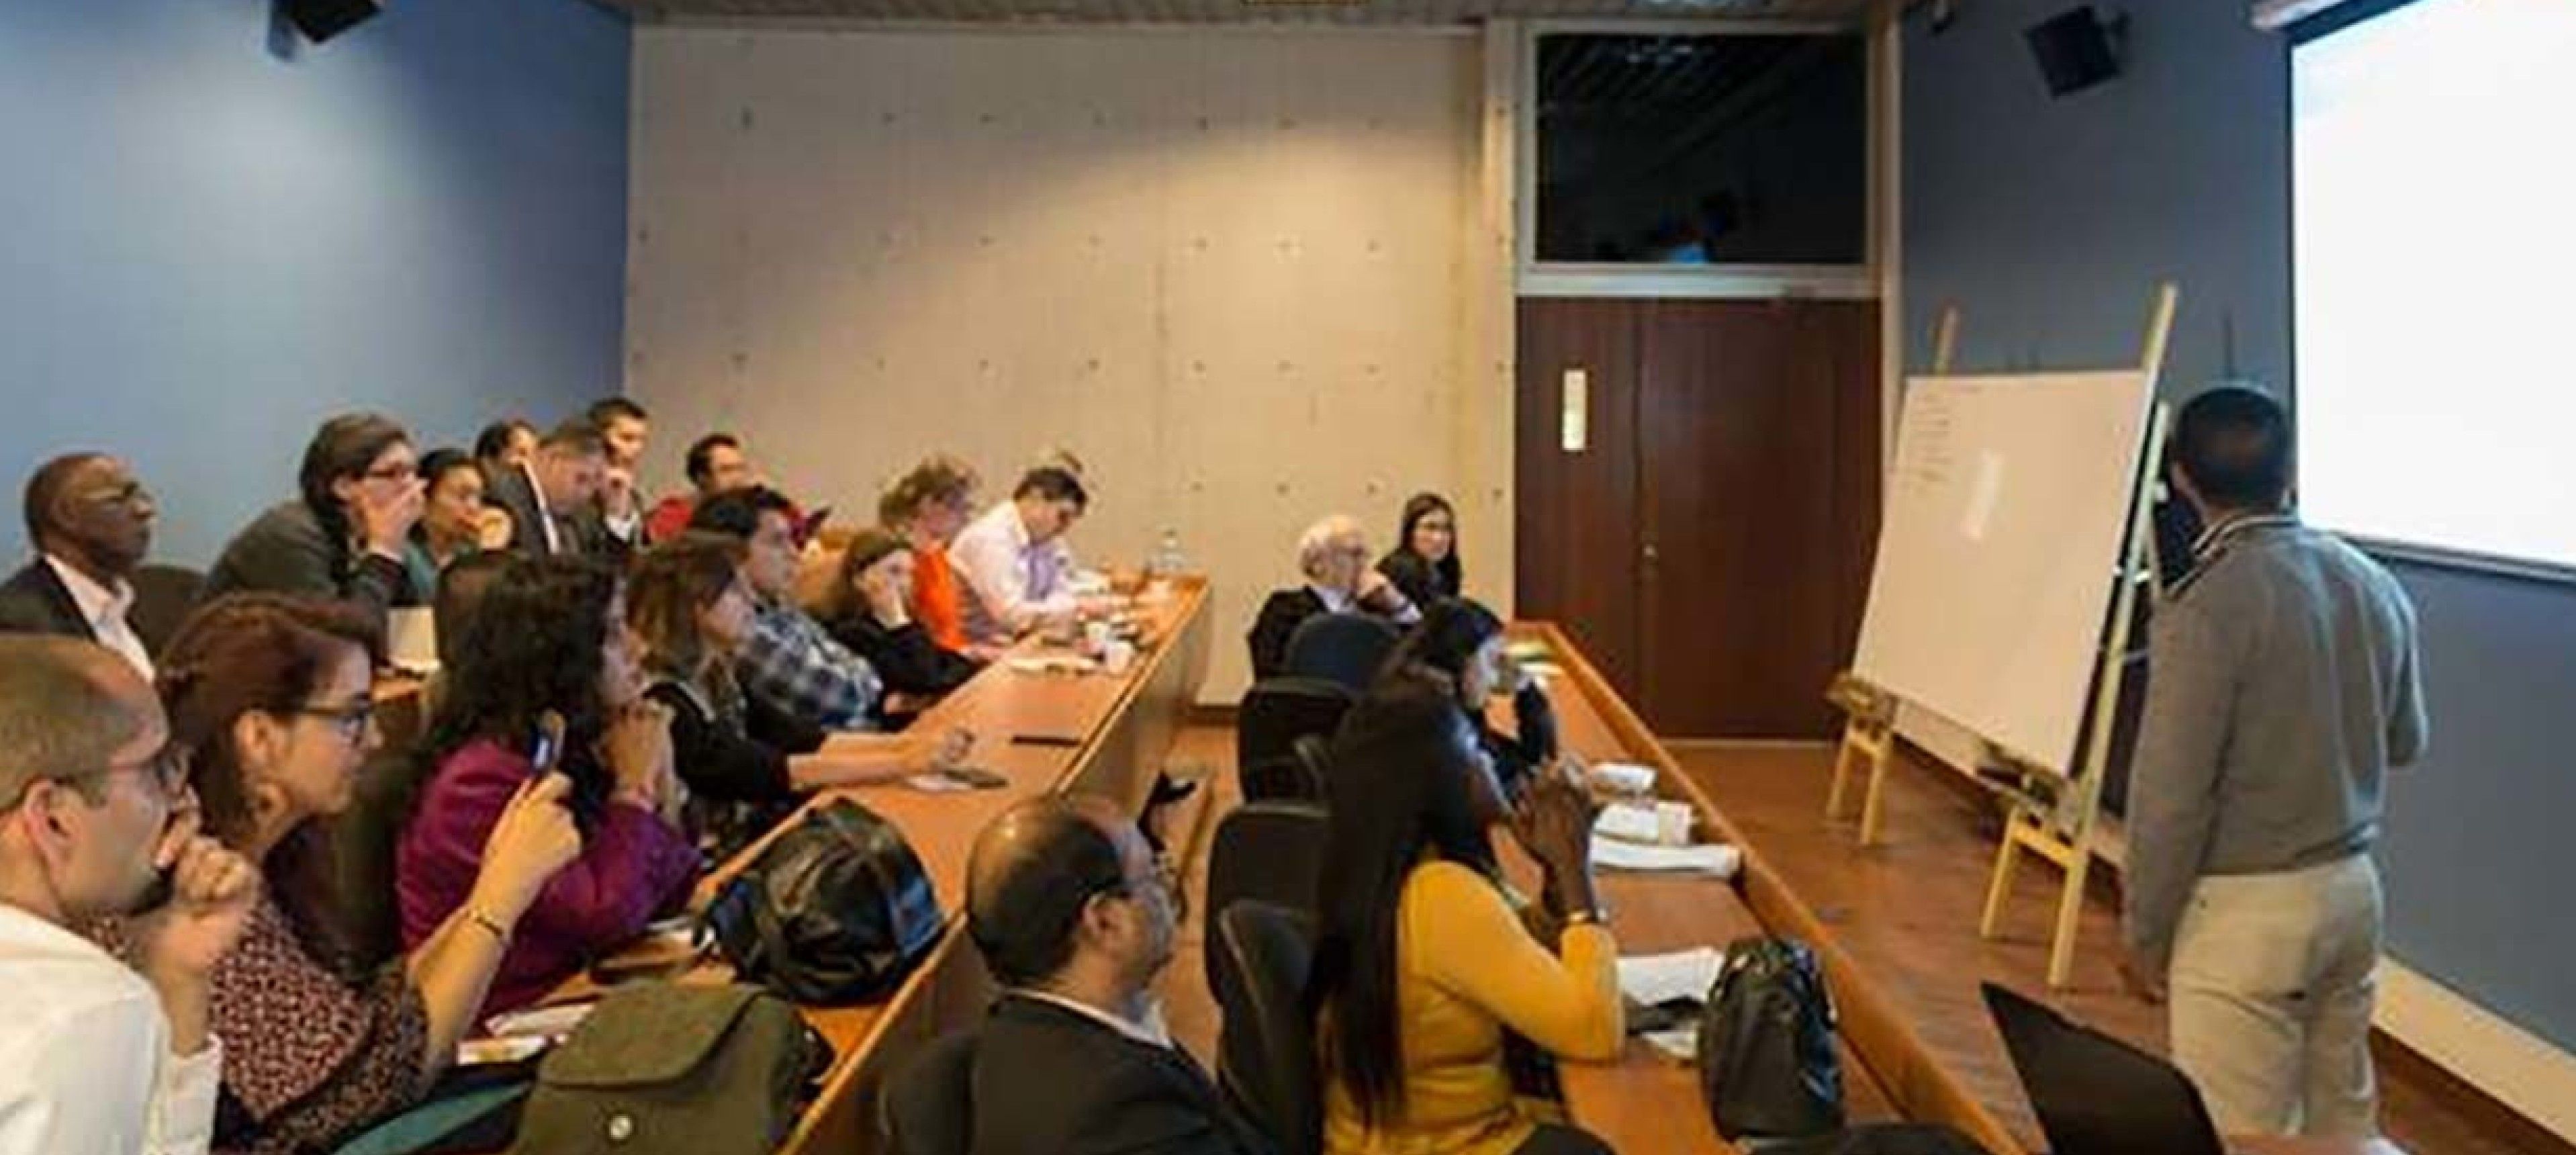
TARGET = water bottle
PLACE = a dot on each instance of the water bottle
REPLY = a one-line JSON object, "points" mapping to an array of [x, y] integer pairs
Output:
{"points": [[1168, 561]]}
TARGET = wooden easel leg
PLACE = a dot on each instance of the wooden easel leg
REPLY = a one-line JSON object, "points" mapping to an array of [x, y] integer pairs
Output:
{"points": [[1999, 888], [2070, 911], [1879, 745], [1842, 772]]}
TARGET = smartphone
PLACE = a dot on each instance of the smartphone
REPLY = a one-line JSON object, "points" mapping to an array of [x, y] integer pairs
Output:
{"points": [[547, 747], [976, 777]]}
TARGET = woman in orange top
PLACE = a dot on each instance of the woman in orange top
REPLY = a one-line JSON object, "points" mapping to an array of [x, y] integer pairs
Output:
{"points": [[928, 506], [1422, 963]]}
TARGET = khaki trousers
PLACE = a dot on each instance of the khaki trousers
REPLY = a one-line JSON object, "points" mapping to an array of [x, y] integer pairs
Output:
{"points": [[2272, 988]]}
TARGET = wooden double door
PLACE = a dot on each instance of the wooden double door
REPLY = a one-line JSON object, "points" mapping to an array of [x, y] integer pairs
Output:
{"points": [[1708, 544]]}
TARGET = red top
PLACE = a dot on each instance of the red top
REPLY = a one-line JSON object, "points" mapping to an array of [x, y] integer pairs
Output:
{"points": [[669, 518], [934, 599]]}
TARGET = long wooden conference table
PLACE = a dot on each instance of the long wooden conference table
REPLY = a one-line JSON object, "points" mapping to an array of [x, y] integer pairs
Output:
{"points": [[1646, 1104], [1047, 732]]}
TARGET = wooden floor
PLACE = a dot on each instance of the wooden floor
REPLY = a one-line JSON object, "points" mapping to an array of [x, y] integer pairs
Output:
{"points": [[1907, 910]]}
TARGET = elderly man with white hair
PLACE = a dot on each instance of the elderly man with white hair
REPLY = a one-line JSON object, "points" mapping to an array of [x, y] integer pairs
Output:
{"points": [[1334, 556]]}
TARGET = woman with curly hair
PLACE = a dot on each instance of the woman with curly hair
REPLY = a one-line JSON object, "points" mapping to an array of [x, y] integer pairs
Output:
{"points": [[274, 696], [550, 638]]}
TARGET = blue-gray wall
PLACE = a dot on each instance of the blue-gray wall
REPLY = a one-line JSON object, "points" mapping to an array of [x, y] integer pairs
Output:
{"points": [[2048, 223], [212, 237]]}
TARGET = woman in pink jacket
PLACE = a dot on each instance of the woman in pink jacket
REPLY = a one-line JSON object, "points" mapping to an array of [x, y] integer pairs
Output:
{"points": [[550, 637]]}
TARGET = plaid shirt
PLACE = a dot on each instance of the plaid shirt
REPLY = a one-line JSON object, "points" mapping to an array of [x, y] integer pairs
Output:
{"points": [[791, 665]]}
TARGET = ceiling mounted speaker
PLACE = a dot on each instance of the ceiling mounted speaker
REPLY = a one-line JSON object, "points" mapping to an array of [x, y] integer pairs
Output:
{"points": [[2077, 48], [320, 20]]}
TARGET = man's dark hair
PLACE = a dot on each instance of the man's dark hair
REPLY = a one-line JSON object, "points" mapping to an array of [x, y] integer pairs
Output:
{"points": [[577, 436], [2235, 445], [700, 461], [736, 513], [346, 446], [1053, 484], [45, 491], [495, 437], [608, 409], [1023, 911]]}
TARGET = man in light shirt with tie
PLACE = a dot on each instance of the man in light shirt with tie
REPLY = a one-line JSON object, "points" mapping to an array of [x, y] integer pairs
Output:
{"points": [[97, 821], [91, 524], [1018, 572]]}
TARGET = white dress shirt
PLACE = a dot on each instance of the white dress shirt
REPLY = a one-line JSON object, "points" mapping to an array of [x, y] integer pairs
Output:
{"points": [[546, 521], [85, 1062], [1013, 582], [1153, 1032], [105, 609]]}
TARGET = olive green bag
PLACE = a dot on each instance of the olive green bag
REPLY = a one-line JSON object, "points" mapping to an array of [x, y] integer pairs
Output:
{"points": [[665, 1069]]}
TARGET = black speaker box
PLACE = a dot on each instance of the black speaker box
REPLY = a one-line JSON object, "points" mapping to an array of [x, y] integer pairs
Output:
{"points": [[320, 20], [2076, 49]]}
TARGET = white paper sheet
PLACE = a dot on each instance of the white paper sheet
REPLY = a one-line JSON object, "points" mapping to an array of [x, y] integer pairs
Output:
{"points": [[1716, 861], [1649, 979], [1627, 822]]}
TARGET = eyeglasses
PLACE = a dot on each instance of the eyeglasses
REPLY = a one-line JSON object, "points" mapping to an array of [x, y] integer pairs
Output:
{"points": [[129, 494], [400, 472], [167, 768], [353, 721]]}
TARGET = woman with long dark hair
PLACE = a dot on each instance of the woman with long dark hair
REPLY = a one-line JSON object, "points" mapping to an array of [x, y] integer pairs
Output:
{"points": [[274, 696], [550, 638], [1424, 561], [1463, 641], [1422, 964]]}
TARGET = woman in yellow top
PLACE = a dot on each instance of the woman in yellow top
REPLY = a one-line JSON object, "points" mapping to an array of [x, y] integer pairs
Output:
{"points": [[1422, 963]]}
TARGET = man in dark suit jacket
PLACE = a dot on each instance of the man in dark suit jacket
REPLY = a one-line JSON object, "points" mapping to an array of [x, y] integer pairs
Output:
{"points": [[1075, 915], [1334, 555], [553, 499], [91, 524]]}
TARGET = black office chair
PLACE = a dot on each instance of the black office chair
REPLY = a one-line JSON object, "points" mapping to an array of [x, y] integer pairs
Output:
{"points": [[929, 1106], [1269, 852], [1266, 1055], [1344, 648], [164, 595], [1275, 713]]}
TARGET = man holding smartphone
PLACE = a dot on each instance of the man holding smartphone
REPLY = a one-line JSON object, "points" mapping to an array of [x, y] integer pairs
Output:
{"points": [[97, 820]]}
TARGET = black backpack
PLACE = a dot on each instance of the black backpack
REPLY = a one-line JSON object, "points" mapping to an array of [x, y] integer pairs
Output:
{"points": [[1767, 1064], [837, 910]]}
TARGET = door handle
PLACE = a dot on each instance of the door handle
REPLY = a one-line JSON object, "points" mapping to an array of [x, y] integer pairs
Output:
{"points": [[1653, 554]]}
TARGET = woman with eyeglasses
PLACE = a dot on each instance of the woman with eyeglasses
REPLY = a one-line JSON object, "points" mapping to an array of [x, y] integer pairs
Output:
{"points": [[347, 534], [549, 639], [1422, 966], [1333, 554], [274, 697], [690, 607]]}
